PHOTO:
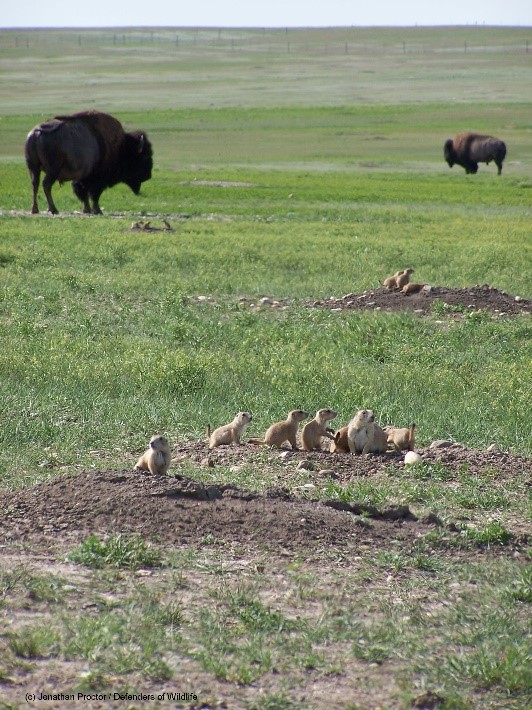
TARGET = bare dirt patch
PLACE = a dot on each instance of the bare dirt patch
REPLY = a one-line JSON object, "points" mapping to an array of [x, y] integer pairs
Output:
{"points": [[179, 511], [457, 300]]}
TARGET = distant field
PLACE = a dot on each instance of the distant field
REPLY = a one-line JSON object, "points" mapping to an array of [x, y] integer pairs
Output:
{"points": [[354, 98], [129, 70]]}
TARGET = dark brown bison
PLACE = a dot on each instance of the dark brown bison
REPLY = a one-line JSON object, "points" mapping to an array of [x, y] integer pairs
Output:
{"points": [[470, 149], [92, 150]]}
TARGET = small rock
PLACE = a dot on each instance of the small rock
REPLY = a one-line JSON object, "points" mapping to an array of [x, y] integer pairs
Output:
{"points": [[441, 444], [518, 299], [285, 455], [202, 298], [335, 310], [493, 448], [207, 462], [426, 289], [412, 457], [326, 472], [305, 465], [265, 301]]}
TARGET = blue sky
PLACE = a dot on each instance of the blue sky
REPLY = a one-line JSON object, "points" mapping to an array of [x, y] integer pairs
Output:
{"points": [[272, 13]]}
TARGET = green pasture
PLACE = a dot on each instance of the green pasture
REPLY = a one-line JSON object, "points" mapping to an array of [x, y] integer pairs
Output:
{"points": [[108, 342], [281, 195]]}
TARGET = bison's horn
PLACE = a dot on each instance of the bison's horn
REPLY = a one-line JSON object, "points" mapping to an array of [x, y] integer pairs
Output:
{"points": [[141, 143]]}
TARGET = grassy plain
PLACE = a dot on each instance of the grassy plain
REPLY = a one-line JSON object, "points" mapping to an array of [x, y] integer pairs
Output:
{"points": [[295, 165]]}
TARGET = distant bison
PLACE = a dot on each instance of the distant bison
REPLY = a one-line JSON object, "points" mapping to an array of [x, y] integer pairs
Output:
{"points": [[92, 150], [470, 149]]}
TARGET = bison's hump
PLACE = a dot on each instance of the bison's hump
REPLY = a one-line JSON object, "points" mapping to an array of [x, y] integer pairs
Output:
{"points": [[106, 127], [48, 126]]}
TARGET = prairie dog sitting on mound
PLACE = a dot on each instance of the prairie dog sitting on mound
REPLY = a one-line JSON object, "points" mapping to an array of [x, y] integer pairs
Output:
{"points": [[314, 430], [278, 433], [229, 433], [403, 278], [401, 439], [364, 436], [340, 443], [391, 282], [412, 288], [156, 459]]}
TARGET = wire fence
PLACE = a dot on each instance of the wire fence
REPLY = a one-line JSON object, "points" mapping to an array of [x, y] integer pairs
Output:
{"points": [[287, 41]]}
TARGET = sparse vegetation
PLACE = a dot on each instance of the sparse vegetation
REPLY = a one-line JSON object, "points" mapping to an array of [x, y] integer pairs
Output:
{"points": [[129, 551]]}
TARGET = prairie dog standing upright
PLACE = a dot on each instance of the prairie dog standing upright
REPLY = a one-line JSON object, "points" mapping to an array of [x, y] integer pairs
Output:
{"points": [[364, 436], [278, 433], [156, 459], [314, 430], [403, 278], [229, 433], [401, 439]]}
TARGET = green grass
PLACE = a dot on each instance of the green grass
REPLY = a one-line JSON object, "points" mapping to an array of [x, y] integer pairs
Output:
{"points": [[108, 342], [128, 551]]}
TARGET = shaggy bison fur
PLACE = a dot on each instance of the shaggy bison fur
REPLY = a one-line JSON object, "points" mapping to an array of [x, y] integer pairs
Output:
{"points": [[470, 149], [92, 150]]}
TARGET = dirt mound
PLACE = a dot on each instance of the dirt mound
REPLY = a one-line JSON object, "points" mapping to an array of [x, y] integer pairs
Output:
{"points": [[179, 511], [455, 300]]}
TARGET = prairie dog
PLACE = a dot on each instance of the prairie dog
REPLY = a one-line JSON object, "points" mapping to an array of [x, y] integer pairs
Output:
{"points": [[401, 439], [412, 288], [403, 278], [229, 433], [156, 459], [278, 433], [364, 436], [391, 282], [340, 443], [314, 430]]}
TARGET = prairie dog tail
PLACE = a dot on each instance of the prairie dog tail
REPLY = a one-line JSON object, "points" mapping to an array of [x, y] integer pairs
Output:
{"points": [[257, 441], [411, 433]]}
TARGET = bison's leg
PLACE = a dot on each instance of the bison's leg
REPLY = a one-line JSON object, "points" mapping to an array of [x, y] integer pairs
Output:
{"points": [[82, 193], [498, 163], [95, 205], [35, 180], [95, 193], [47, 183]]}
